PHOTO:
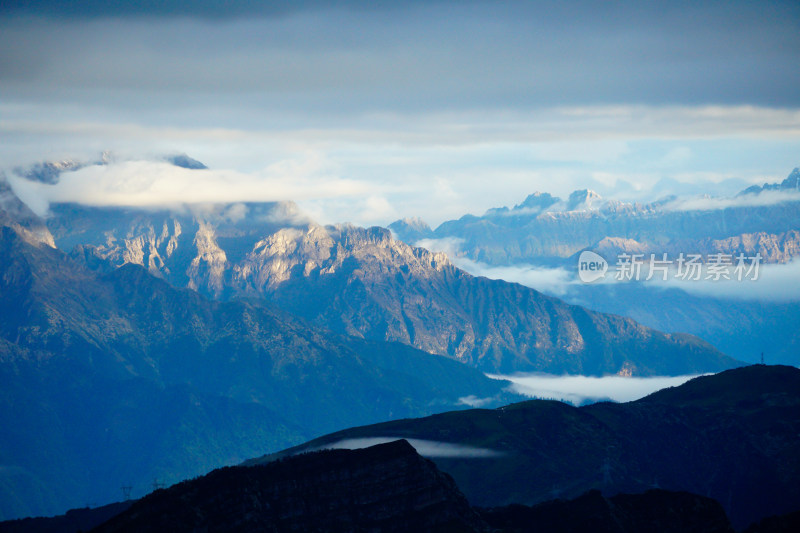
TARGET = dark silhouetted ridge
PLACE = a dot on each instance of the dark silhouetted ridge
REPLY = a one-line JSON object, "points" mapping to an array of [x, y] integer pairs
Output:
{"points": [[387, 487], [656, 511]]}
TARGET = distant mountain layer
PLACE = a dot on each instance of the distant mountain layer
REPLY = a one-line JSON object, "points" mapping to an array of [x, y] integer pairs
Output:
{"points": [[731, 437], [791, 183], [117, 378], [545, 228], [49, 172], [363, 282], [744, 329]]}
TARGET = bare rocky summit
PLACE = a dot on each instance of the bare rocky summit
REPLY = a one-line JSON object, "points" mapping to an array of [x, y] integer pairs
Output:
{"points": [[366, 283]]}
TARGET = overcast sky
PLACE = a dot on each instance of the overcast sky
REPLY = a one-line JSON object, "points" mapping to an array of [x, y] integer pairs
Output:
{"points": [[369, 111]]}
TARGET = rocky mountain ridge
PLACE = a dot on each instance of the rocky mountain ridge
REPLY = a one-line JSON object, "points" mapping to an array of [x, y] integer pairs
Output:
{"points": [[118, 378], [545, 229], [363, 282]]}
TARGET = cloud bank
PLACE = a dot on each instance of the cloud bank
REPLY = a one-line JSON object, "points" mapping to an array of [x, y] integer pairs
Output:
{"points": [[145, 183], [442, 107], [775, 283], [767, 282], [765, 198], [579, 390]]}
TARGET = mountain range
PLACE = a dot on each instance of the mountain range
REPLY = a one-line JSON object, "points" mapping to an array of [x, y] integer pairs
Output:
{"points": [[363, 282], [544, 229], [154, 344], [117, 378], [544, 232]]}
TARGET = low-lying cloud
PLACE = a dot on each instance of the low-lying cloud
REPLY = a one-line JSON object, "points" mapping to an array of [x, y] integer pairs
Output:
{"points": [[763, 199], [579, 390], [776, 283], [426, 448], [767, 282], [556, 281], [475, 401]]}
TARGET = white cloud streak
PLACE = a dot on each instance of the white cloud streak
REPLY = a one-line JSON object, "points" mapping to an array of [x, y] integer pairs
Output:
{"points": [[556, 281], [582, 389], [775, 282], [765, 198], [426, 448]]}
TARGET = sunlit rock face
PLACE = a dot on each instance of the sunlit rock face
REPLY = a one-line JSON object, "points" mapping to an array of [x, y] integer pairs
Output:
{"points": [[15, 214], [116, 376], [366, 283]]}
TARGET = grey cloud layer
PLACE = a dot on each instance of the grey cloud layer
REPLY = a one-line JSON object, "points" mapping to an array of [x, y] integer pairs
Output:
{"points": [[456, 101], [445, 56]]}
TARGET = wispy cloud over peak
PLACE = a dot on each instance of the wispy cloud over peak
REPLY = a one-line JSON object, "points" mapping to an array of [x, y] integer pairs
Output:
{"points": [[426, 448]]}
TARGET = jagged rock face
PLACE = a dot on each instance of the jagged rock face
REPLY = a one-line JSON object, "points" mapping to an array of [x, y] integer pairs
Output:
{"points": [[387, 487], [116, 378], [49, 171], [584, 200], [15, 214], [546, 229], [791, 183], [363, 282], [773, 248]]}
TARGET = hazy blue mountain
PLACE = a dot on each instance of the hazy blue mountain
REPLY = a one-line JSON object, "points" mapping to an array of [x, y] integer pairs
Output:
{"points": [[744, 329], [543, 228], [363, 282], [184, 161], [730, 436], [49, 172], [543, 231], [117, 378], [791, 183], [412, 229]]}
